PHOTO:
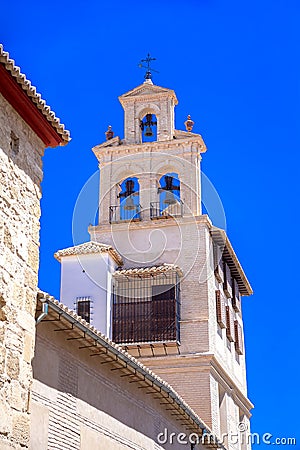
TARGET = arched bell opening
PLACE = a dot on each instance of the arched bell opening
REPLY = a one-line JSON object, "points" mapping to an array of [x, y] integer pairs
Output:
{"points": [[129, 199], [148, 125], [169, 203]]}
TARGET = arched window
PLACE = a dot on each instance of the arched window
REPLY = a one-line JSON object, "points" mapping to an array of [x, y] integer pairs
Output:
{"points": [[129, 198], [148, 126], [169, 203]]}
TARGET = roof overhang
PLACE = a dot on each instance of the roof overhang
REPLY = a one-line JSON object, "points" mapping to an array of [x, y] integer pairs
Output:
{"points": [[219, 236], [88, 248], [146, 91], [22, 96]]}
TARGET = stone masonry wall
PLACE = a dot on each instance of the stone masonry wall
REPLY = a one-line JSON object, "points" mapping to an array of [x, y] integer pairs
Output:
{"points": [[20, 177]]}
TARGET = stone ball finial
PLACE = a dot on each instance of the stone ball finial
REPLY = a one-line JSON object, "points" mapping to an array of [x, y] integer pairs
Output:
{"points": [[109, 134], [189, 123]]}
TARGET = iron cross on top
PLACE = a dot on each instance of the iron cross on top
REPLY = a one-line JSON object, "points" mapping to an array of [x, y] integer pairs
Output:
{"points": [[148, 60]]}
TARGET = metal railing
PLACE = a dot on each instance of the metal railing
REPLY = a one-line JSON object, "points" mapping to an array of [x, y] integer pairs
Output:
{"points": [[146, 309], [158, 210], [146, 320], [120, 213]]}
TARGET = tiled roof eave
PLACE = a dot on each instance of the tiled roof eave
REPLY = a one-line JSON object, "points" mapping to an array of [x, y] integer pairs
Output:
{"points": [[34, 97], [147, 271], [89, 248]]}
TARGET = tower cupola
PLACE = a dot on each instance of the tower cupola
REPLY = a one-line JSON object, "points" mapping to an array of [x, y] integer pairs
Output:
{"points": [[148, 100]]}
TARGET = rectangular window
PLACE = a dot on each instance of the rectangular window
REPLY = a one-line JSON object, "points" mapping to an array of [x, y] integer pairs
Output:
{"points": [[218, 263], [220, 308], [163, 312], [227, 281], [238, 334], [84, 308], [229, 324], [131, 319], [14, 143], [148, 313], [236, 303]]}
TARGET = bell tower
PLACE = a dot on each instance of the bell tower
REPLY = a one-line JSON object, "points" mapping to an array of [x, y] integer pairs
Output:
{"points": [[172, 155], [175, 303]]}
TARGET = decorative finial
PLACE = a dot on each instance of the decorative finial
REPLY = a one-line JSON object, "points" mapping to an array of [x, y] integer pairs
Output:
{"points": [[109, 134], [148, 75], [189, 123]]}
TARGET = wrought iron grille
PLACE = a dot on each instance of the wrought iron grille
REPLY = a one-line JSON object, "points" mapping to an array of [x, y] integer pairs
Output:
{"points": [[120, 213], [84, 307], [146, 309], [160, 211]]}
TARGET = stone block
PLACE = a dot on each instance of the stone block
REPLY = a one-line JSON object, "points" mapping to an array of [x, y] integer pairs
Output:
{"points": [[9, 263], [8, 239], [5, 445], [30, 302], [2, 332], [12, 365], [21, 428], [18, 295], [28, 347], [35, 231], [14, 338], [17, 396], [2, 309], [5, 418], [30, 278], [26, 321], [25, 377], [33, 256], [2, 359]]}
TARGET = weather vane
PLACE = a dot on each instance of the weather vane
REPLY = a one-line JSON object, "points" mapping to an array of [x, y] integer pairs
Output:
{"points": [[148, 60]]}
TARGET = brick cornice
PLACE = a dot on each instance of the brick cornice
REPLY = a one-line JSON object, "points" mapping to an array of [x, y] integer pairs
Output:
{"points": [[186, 220], [203, 362], [192, 144]]}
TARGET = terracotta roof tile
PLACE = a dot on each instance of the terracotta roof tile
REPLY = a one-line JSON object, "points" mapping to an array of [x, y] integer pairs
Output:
{"points": [[89, 248], [153, 270]]}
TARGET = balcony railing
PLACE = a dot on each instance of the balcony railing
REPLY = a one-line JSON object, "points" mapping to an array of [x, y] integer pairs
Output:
{"points": [[120, 213], [160, 211]]}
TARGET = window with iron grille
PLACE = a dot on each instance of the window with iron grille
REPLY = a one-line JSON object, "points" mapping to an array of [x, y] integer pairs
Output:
{"points": [[84, 308], [146, 309]]}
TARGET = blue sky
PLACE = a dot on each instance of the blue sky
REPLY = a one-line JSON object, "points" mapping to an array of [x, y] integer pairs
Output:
{"points": [[235, 68]]}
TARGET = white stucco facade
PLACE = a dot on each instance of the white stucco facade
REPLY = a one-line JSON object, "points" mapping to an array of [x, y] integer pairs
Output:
{"points": [[89, 276]]}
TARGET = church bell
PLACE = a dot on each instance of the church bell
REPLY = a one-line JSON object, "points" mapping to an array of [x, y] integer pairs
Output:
{"points": [[170, 198], [148, 131], [129, 204]]}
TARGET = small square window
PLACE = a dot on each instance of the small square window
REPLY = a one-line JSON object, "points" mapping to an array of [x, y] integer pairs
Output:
{"points": [[84, 308], [14, 143]]}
